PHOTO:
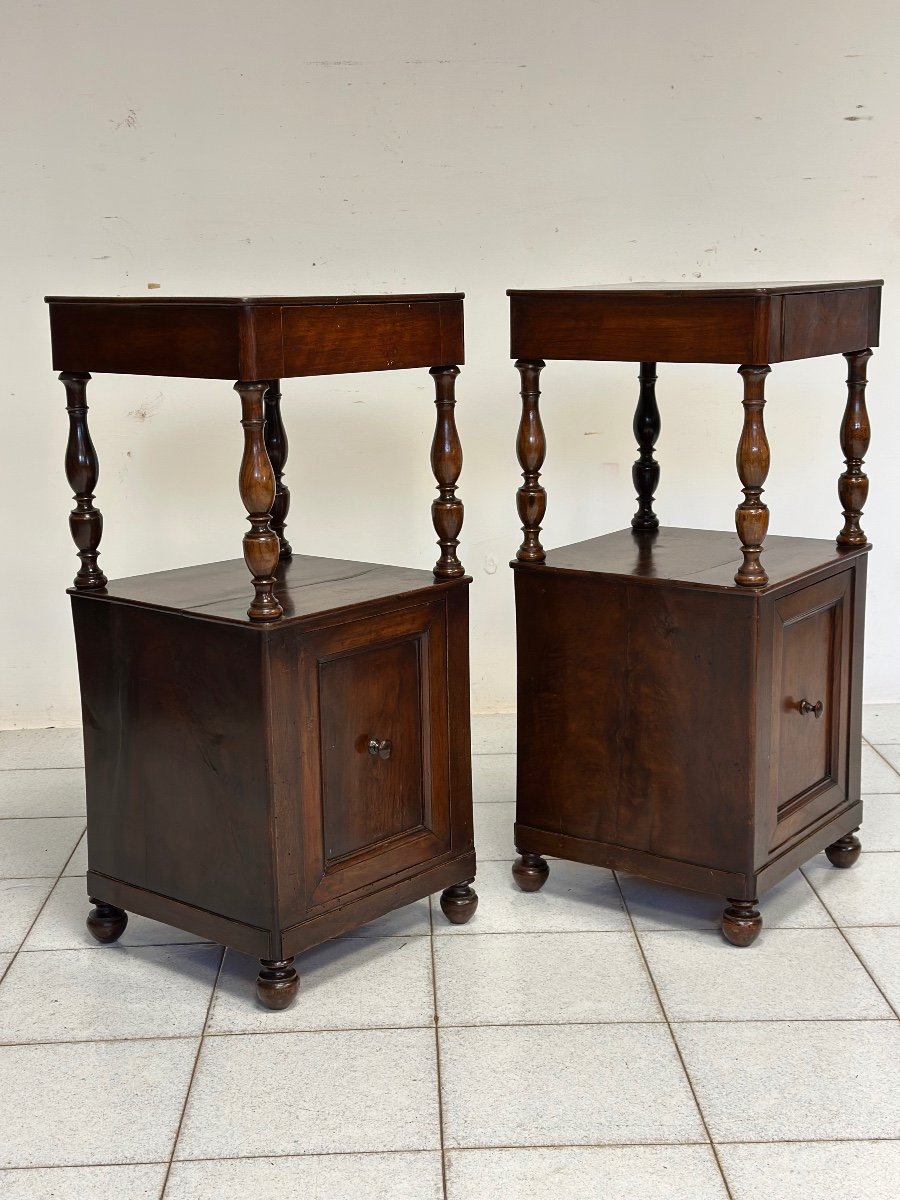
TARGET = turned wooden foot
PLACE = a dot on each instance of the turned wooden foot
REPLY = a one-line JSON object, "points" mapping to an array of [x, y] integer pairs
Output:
{"points": [[845, 851], [105, 922], [741, 922], [277, 982], [459, 902], [530, 872]]}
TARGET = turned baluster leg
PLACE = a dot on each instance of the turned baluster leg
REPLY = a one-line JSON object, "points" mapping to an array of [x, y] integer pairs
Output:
{"points": [[458, 903], [277, 449], [82, 472], [752, 516], [853, 485], [645, 472], [446, 463], [277, 982], [257, 487], [531, 447]]}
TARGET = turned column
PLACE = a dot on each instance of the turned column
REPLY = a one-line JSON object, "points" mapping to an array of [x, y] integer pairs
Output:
{"points": [[531, 447], [446, 464], [853, 485], [752, 516], [646, 426], [257, 487], [277, 450], [82, 472]]}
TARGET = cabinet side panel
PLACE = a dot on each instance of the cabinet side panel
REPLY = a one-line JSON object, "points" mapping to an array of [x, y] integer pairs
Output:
{"points": [[175, 757]]}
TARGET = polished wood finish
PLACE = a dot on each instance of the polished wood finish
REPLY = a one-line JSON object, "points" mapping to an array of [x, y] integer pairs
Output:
{"points": [[646, 426], [853, 485], [446, 464], [687, 711], [531, 448], [752, 516], [82, 472], [277, 449], [257, 488], [274, 776]]}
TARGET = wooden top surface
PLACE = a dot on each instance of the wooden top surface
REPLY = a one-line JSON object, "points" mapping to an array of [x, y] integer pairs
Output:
{"points": [[692, 557], [740, 323], [255, 337], [306, 586]]}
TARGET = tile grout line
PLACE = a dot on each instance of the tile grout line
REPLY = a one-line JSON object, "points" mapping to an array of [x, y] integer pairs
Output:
{"points": [[687, 1075], [187, 1094], [437, 1050]]}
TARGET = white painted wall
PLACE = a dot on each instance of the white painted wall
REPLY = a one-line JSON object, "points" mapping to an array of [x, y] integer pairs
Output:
{"points": [[358, 146]]}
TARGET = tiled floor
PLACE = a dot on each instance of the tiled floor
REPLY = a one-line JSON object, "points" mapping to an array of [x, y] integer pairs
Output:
{"points": [[597, 1039]]}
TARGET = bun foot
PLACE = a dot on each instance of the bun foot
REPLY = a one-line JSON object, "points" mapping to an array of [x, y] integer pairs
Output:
{"points": [[741, 922], [530, 872], [105, 922], [459, 902], [277, 982], [845, 851]]}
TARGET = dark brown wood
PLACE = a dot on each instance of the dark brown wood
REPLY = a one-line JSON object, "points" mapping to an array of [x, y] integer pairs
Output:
{"points": [[741, 922], [446, 464], [531, 447], [723, 323], [646, 426], [277, 450], [82, 472], [853, 485], [106, 922], [277, 982], [752, 515], [459, 902], [530, 872], [845, 851], [257, 487]]}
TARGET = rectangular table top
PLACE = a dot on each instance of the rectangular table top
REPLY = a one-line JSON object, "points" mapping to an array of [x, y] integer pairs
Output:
{"points": [[255, 337], [741, 323]]}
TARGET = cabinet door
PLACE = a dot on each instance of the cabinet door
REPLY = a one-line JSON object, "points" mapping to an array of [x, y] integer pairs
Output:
{"points": [[375, 750], [811, 698]]}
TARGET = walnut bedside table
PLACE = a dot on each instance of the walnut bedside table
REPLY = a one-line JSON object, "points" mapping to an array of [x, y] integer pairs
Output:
{"points": [[690, 703], [270, 776]]}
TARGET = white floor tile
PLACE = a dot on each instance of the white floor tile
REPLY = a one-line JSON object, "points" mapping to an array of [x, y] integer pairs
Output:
{"points": [[892, 754], [575, 897], [314, 1177], [877, 774], [20, 903], [36, 748], [494, 832], [410, 921], [37, 848], [309, 1093], [92, 1102], [865, 894], [53, 793], [494, 779], [813, 1170], [5, 960], [881, 723], [881, 821], [61, 925], [788, 974], [594, 1173], [78, 863], [348, 983], [564, 1085], [83, 1183], [795, 1081], [494, 733], [516, 978], [791, 904], [879, 950], [78, 995]]}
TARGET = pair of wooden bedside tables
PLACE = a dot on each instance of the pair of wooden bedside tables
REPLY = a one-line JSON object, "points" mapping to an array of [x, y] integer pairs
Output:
{"points": [[273, 775]]}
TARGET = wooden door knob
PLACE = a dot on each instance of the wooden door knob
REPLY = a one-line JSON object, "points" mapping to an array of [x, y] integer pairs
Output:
{"points": [[382, 749], [815, 709]]}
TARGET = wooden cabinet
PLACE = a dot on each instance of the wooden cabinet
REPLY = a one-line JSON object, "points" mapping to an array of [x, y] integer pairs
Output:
{"points": [[269, 777], [690, 702]]}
